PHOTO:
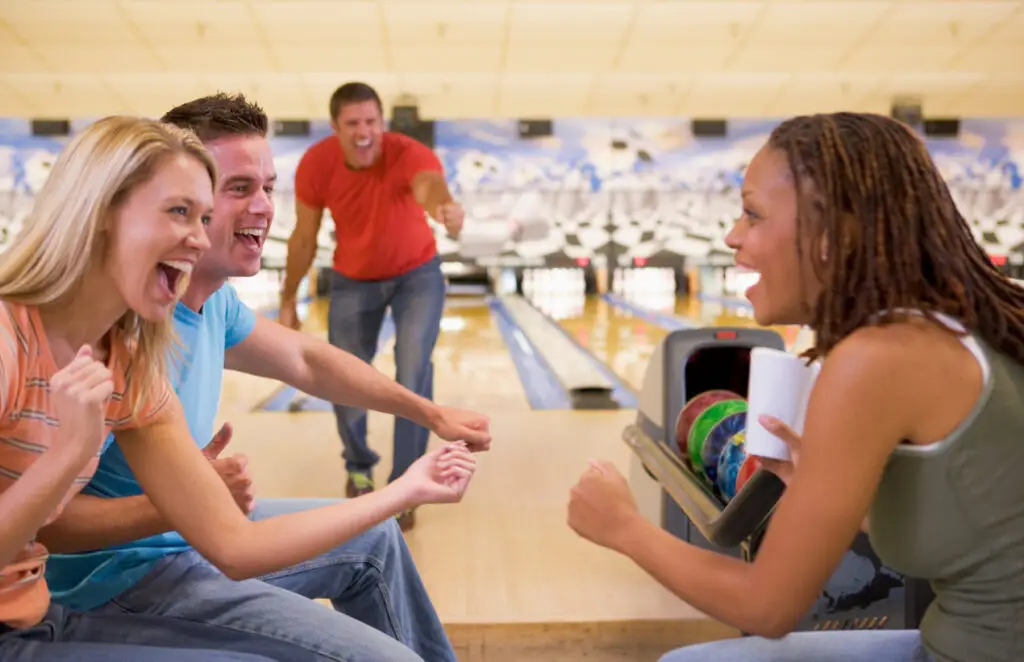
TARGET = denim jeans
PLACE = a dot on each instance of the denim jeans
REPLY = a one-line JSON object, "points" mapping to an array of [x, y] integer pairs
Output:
{"points": [[356, 315], [381, 609], [68, 636], [830, 646]]}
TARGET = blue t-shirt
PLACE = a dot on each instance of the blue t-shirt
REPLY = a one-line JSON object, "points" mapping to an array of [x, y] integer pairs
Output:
{"points": [[88, 580]]}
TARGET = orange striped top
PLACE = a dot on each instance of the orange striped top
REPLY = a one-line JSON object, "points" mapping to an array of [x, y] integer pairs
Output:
{"points": [[28, 427]]}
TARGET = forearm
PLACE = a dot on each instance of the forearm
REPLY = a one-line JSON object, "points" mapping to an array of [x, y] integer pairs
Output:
{"points": [[90, 522], [718, 585], [257, 548], [430, 190], [33, 497], [301, 252], [342, 378]]}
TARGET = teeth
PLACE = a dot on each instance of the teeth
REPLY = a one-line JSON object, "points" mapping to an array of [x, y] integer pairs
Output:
{"points": [[255, 232], [183, 267], [363, 143]]}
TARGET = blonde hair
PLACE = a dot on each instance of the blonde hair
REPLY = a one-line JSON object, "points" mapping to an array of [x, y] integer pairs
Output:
{"points": [[92, 176]]}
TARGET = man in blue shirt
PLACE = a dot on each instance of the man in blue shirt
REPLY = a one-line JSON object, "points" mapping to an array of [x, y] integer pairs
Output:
{"points": [[115, 552]]}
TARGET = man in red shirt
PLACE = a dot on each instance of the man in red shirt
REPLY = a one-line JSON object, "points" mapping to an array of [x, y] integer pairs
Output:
{"points": [[378, 186]]}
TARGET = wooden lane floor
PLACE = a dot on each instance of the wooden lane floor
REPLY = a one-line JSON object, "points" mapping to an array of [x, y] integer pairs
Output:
{"points": [[503, 558]]}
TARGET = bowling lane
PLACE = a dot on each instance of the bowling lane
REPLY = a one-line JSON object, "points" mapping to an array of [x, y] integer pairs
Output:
{"points": [[620, 340], [472, 365], [471, 362]]}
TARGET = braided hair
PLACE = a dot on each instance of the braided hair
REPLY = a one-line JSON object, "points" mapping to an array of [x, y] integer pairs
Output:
{"points": [[893, 235]]}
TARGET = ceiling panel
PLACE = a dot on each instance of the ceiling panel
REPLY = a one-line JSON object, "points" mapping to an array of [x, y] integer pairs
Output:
{"points": [[444, 21], [569, 24], [495, 57], [459, 58]]}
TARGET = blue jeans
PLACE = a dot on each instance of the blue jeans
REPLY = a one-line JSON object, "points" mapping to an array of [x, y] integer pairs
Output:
{"points": [[831, 646], [356, 315], [68, 636], [381, 609]]}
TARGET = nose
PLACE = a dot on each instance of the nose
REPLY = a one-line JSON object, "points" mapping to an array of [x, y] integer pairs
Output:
{"points": [[262, 204], [735, 236], [198, 239]]}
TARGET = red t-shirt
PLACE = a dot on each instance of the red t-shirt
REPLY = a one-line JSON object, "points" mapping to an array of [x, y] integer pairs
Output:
{"points": [[381, 232]]}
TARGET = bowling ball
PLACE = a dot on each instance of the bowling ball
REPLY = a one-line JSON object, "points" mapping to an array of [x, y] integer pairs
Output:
{"points": [[716, 441], [747, 469], [730, 460], [691, 410], [702, 426]]}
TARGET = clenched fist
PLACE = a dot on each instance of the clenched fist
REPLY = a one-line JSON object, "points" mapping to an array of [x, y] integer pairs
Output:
{"points": [[451, 215], [79, 393]]}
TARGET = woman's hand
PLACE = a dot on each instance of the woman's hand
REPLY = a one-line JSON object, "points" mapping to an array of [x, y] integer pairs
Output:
{"points": [[440, 476], [781, 468], [601, 505]]}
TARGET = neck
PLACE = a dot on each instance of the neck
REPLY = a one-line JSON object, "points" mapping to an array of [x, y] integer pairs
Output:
{"points": [[200, 288], [84, 316]]}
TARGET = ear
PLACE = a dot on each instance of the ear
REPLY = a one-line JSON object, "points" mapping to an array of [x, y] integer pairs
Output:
{"points": [[823, 248]]}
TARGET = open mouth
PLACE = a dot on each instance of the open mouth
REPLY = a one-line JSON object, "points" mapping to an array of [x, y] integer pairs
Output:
{"points": [[252, 237], [174, 275]]}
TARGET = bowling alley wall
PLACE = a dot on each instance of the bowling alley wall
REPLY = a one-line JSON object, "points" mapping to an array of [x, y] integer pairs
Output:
{"points": [[642, 189]]}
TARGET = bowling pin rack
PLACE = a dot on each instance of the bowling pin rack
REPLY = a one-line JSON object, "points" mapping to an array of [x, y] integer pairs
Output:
{"points": [[687, 362]]}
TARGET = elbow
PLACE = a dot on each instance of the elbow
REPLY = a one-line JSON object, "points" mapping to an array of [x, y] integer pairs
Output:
{"points": [[774, 620], [232, 563], [227, 552]]}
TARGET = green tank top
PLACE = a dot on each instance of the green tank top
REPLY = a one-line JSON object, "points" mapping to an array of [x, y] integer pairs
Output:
{"points": [[952, 513]]}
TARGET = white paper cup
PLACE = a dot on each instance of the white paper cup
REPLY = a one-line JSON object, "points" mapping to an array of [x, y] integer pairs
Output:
{"points": [[779, 386]]}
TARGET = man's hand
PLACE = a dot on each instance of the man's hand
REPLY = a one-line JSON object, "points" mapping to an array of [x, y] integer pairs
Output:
{"points": [[288, 315], [231, 469], [460, 425], [452, 216]]}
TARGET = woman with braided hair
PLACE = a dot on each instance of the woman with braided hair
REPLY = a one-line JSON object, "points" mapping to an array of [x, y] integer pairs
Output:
{"points": [[915, 428]]}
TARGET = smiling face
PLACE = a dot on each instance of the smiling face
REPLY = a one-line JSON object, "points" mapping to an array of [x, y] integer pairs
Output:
{"points": [[243, 208], [359, 126], [157, 234], [765, 240]]}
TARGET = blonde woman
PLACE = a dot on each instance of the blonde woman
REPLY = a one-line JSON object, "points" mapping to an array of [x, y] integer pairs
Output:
{"points": [[86, 292]]}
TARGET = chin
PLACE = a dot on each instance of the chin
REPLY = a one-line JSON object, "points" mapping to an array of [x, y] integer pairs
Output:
{"points": [[246, 269], [152, 311]]}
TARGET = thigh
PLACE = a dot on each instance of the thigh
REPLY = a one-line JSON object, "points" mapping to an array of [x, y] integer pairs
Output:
{"points": [[193, 591], [417, 306], [356, 315], [834, 646], [37, 651], [330, 574]]}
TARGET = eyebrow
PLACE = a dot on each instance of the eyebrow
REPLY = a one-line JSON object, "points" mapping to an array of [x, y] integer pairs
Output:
{"points": [[247, 178], [191, 202]]}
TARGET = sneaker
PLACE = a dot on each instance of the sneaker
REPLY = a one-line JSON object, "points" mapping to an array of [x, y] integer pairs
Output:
{"points": [[406, 519], [359, 483]]}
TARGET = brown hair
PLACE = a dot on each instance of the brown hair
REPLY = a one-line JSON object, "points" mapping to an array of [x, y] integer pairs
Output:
{"points": [[894, 236], [355, 92], [218, 116]]}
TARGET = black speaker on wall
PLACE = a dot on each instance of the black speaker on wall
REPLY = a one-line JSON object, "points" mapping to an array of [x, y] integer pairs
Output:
{"points": [[908, 112], [291, 128], [404, 118], [535, 128], [709, 128], [938, 127], [51, 128]]}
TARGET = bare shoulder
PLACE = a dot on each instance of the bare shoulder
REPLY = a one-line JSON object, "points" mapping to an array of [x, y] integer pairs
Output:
{"points": [[915, 369]]}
